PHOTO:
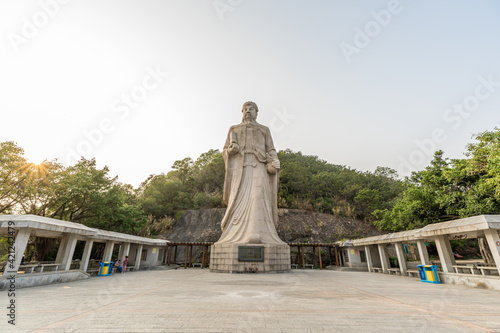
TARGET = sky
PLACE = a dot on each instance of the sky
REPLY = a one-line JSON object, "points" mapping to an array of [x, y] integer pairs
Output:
{"points": [[141, 84]]}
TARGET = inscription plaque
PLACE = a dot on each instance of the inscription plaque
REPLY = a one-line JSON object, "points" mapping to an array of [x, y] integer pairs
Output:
{"points": [[250, 253]]}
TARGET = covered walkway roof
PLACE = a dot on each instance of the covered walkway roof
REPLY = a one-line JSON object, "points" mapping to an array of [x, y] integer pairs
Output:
{"points": [[470, 227], [52, 228], [387, 238]]}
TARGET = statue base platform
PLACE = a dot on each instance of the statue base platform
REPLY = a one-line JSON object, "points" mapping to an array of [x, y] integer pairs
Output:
{"points": [[249, 258]]}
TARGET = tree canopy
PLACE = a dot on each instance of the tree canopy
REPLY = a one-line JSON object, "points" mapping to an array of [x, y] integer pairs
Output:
{"points": [[86, 194], [80, 193], [449, 189], [306, 182], [190, 184]]}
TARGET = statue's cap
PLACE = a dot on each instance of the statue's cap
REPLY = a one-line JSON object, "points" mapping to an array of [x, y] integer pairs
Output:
{"points": [[250, 103]]}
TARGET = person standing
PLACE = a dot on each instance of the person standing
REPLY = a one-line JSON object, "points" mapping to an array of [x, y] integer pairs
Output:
{"points": [[124, 264]]}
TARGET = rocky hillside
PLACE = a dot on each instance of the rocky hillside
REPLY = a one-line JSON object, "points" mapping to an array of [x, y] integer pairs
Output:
{"points": [[294, 226]]}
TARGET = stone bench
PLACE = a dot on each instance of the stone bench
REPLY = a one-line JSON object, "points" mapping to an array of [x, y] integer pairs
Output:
{"points": [[50, 267], [309, 265], [196, 264], [488, 269], [413, 272], [129, 268], [395, 271], [462, 268], [438, 265], [377, 270], [93, 268], [28, 269], [294, 266]]}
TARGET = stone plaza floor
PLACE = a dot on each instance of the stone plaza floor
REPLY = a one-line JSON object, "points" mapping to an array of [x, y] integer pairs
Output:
{"points": [[196, 300]]}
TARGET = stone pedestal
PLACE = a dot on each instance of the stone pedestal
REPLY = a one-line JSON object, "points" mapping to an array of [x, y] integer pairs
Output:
{"points": [[224, 259]]}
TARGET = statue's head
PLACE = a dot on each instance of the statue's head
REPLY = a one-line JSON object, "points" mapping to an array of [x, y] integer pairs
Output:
{"points": [[250, 111]]}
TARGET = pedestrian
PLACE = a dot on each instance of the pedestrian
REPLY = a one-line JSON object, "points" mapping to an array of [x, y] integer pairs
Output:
{"points": [[118, 266], [124, 264]]}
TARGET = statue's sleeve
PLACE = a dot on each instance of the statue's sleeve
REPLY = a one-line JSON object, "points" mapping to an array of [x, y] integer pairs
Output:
{"points": [[270, 145], [228, 141], [227, 178], [273, 177]]}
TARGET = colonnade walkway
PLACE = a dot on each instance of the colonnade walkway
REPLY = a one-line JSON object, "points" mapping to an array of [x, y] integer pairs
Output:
{"points": [[371, 253], [196, 300], [144, 252]]}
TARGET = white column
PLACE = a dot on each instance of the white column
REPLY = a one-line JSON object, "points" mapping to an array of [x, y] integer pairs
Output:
{"points": [[384, 259], [120, 250], [494, 243], [22, 237], [138, 257], [65, 252], [86, 255], [445, 253], [401, 258], [125, 249], [369, 260], [422, 252], [108, 251], [62, 248]]}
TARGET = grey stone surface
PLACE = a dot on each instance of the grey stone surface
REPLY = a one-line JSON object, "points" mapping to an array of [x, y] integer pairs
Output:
{"points": [[477, 281], [251, 183], [224, 259], [195, 300], [40, 279], [250, 192]]}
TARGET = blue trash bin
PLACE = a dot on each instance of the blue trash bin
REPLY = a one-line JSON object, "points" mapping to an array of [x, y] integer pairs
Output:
{"points": [[106, 268], [429, 274]]}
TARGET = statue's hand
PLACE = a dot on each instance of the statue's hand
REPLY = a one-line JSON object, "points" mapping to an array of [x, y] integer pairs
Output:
{"points": [[276, 163], [233, 148]]}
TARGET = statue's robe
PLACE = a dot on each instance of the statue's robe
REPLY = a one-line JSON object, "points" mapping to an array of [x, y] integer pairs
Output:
{"points": [[250, 187]]}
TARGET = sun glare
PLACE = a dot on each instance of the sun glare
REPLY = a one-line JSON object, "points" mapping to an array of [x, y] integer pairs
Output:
{"points": [[38, 163], [35, 158], [36, 170]]}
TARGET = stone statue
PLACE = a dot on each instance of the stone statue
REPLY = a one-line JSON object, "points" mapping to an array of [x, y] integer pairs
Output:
{"points": [[249, 241], [250, 187]]}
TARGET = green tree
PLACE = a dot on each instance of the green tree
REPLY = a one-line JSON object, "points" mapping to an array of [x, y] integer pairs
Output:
{"points": [[165, 197], [189, 185], [308, 182], [208, 173], [450, 189], [79, 193], [12, 175]]}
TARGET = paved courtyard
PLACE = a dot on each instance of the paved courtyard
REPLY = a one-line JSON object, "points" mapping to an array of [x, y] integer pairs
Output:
{"points": [[196, 300]]}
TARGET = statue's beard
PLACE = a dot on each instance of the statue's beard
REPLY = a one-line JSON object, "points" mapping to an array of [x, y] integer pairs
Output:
{"points": [[247, 118]]}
